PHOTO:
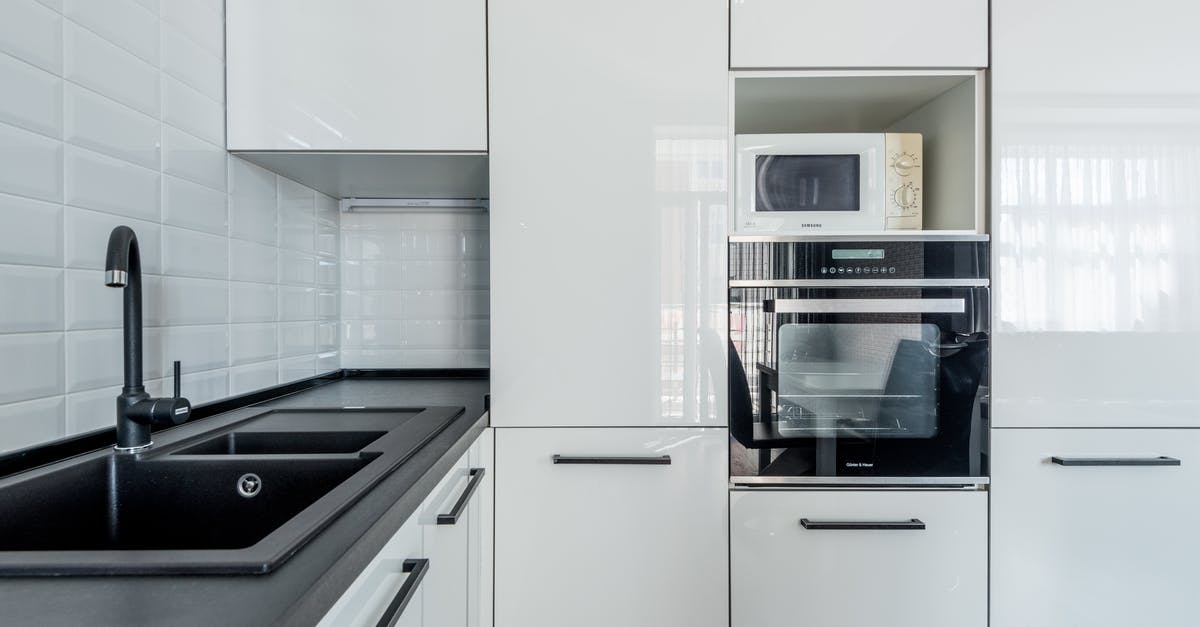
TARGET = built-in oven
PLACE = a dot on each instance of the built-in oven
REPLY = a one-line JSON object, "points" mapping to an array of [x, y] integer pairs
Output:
{"points": [[858, 361]]}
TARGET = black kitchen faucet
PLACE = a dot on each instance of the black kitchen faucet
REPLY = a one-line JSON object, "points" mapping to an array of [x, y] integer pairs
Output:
{"points": [[136, 410]]}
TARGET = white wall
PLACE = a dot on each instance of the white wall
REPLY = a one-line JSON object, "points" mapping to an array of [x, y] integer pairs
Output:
{"points": [[415, 290], [113, 113]]}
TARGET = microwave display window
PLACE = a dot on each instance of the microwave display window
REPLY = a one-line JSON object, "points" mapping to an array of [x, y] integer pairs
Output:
{"points": [[802, 183]]}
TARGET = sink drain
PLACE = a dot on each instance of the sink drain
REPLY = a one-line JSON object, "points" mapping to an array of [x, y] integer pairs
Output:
{"points": [[249, 485]]}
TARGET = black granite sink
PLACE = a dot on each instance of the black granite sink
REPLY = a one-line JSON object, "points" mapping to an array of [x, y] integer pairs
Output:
{"points": [[240, 498]]}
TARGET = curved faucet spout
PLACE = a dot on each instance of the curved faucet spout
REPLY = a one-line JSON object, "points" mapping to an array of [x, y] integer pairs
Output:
{"points": [[123, 257]]}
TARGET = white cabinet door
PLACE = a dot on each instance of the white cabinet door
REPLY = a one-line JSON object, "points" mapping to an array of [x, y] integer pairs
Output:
{"points": [[858, 33], [1095, 545], [793, 561], [591, 544], [1095, 219], [383, 580], [608, 212], [447, 541], [479, 552], [356, 75]]}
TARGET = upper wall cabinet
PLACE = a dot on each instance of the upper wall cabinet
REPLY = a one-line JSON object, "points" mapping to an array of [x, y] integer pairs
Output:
{"points": [[858, 34], [357, 75]]}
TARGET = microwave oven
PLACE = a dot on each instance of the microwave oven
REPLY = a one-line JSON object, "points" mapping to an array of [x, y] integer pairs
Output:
{"points": [[797, 183]]}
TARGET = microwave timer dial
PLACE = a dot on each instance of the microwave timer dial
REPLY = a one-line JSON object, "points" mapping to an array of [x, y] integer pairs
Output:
{"points": [[907, 197]]}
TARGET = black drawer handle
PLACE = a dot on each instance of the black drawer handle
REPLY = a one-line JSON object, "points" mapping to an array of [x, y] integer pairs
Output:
{"points": [[849, 525], [416, 569], [1116, 461], [461, 505], [664, 460]]}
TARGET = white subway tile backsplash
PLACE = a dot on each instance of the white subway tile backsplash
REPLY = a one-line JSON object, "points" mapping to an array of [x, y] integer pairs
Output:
{"points": [[297, 268], [194, 159], [253, 343], [104, 67], [96, 181], [297, 338], [98, 123], [31, 231], [194, 206], [190, 63], [118, 114], [30, 164], [194, 254], [197, 348], [122, 22], [32, 366], [32, 422], [253, 212], [250, 261], [190, 110], [297, 368], [86, 233], [297, 303], [94, 357], [202, 21], [93, 305], [195, 301], [32, 97], [251, 377], [414, 275], [253, 302], [32, 32], [32, 299]]}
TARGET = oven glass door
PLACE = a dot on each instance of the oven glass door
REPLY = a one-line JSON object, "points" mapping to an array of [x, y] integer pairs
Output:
{"points": [[858, 381]]}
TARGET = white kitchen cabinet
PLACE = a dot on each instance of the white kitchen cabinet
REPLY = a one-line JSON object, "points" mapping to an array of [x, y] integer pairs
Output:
{"points": [[1096, 545], [356, 75], [382, 581], [588, 542], [858, 34], [793, 561], [445, 531], [608, 169], [1095, 226], [479, 551]]}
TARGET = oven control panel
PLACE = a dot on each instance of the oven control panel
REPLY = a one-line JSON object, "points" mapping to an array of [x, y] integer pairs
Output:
{"points": [[858, 270]]}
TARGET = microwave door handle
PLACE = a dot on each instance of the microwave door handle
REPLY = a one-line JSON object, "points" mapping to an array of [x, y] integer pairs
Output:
{"points": [[865, 305]]}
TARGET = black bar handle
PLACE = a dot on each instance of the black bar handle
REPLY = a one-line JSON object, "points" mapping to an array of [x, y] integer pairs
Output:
{"points": [[911, 524], [1161, 460], [178, 386], [461, 505], [416, 569], [664, 460]]}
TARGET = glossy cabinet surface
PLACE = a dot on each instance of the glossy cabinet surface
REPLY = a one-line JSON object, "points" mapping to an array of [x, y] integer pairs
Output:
{"points": [[596, 545], [858, 34], [480, 545], [368, 597], [356, 75], [447, 547], [783, 574], [608, 212], [1103, 546], [1095, 215]]}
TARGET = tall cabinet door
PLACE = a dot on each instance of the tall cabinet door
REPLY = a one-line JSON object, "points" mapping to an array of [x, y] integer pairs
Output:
{"points": [[1107, 540], [608, 145], [625, 527], [1095, 214]]}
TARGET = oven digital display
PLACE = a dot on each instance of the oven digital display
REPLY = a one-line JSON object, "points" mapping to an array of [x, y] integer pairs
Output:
{"points": [[858, 253]]}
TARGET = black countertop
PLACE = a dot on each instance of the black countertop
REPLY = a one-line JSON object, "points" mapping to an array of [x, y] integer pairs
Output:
{"points": [[304, 587]]}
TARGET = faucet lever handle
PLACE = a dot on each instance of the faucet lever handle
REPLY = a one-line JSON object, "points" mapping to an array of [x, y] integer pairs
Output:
{"points": [[178, 384]]}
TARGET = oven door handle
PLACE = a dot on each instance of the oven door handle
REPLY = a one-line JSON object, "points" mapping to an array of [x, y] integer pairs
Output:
{"points": [[865, 305]]}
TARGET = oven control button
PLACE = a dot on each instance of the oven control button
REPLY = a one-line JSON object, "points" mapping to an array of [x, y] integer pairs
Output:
{"points": [[858, 271], [841, 270], [892, 270], [824, 270]]}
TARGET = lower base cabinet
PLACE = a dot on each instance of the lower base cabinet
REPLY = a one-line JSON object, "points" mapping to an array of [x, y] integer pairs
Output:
{"points": [[1095, 527], [598, 527], [858, 558]]}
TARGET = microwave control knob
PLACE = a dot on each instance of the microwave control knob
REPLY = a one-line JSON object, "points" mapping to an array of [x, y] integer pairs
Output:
{"points": [[904, 163], [905, 196]]}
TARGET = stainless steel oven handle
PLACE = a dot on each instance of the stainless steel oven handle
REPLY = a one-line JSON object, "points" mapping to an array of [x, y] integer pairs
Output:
{"points": [[865, 305]]}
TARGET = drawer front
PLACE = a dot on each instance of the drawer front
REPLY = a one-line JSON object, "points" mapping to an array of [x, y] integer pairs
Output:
{"points": [[446, 545], [1108, 539], [797, 558], [369, 597], [612, 534]]}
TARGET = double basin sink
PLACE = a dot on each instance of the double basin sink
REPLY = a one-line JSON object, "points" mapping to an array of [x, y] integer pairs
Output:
{"points": [[239, 499]]}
